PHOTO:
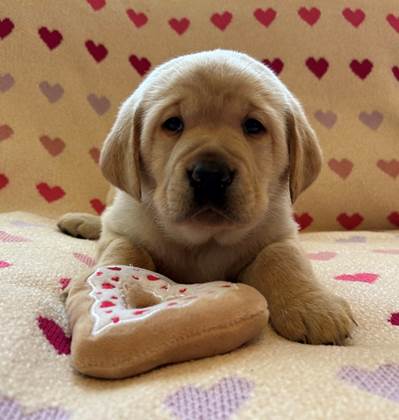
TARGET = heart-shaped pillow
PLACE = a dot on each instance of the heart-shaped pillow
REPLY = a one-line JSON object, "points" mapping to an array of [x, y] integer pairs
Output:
{"points": [[126, 320]]}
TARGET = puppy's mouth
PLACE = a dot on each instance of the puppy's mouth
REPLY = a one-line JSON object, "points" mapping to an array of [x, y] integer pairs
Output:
{"points": [[208, 216]]}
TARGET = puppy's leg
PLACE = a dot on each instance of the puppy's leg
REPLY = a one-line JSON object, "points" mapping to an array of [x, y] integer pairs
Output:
{"points": [[80, 225], [300, 308]]}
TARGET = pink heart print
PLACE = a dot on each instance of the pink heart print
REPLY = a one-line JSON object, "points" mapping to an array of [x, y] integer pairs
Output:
{"points": [[85, 259], [52, 92], [354, 17], [55, 335], [100, 104], [221, 20], [391, 168], [360, 277], [5, 132], [393, 21], [342, 167], [8, 237], [372, 120], [96, 4], [322, 255], [4, 264], [328, 118], [53, 146]]}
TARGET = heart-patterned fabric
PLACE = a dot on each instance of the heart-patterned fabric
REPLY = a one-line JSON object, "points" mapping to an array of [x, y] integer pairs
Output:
{"points": [[269, 378], [66, 66]]}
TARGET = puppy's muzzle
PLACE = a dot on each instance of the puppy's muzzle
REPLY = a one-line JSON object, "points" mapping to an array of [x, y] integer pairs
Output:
{"points": [[210, 180]]}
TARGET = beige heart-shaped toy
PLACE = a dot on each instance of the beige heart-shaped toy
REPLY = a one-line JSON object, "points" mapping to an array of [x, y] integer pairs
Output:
{"points": [[126, 320]]}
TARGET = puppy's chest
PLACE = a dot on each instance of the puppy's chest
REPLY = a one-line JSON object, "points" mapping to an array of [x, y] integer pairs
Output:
{"points": [[199, 267]]}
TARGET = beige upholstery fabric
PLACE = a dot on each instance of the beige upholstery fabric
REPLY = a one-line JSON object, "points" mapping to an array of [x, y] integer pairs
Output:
{"points": [[269, 378], [66, 66]]}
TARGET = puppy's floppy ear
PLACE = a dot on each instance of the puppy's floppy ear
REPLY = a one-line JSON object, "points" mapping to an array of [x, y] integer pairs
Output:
{"points": [[305, 157], [119, 159]]}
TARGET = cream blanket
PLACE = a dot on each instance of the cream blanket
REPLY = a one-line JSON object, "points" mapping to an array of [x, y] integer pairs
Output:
{"points": [[271, 378]]}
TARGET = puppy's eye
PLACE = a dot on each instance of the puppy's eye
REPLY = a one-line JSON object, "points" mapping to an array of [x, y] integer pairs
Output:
{"points": [[251, 126], [173, 125]]}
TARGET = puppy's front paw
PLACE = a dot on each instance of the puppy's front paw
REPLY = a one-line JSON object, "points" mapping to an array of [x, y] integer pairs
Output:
{"points": [[80, 225], [314, 318]]}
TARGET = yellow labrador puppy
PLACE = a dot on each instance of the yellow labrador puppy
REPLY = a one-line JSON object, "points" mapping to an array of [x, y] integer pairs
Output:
{"points": [[207, 156]]}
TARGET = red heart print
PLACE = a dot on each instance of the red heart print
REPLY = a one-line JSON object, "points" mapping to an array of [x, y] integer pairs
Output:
{"points": [[6, 27], [266, 16], [183, 290], [97, 205], [394, 318], [50, 194], [350, 222], [107, 304], [317, 67], [4, 264], [361, 277], [55, 335], [85, 259], [310, 16], [95, 154], [394, 218], [221, 20], [361, 69], [5, 132], [276, 65], [139, 19], [393, 21], [395, 71], [53, 146], [139, 311], [96, 4], [151, 277], [303, 220], [179, 25], [342, 167], [355, 17], [115, 319], [97, 51], [141, 65], [64, 282], [107, 285], [114, 268], [391, 168], [115, 278], [3, 181], [51, 38]]}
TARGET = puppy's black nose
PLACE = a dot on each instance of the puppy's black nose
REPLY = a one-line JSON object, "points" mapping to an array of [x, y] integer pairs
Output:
{"points": [[210, 180]]}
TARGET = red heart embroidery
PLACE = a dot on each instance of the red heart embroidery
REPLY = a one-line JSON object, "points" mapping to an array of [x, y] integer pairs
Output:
{"points": [[389, 167], [5, 132], [362, 277], [342, 168], [395, 71], [394, 318], [64, 282], [276, 65], [55, 335], [97, 205], [53, 146], [310, 16], [394, 218], [50, 194], [265, 17], [3, 181], [95, 154], [304, 220], [6, 27], [142, 65], [179, 25], [221, 21], [393, 21], [51, 38], [97, 51], [107, 304], [139, 19], [96, 4], [151, 277], [350, 222], [317, 67], [355, 17], [361, 69]]}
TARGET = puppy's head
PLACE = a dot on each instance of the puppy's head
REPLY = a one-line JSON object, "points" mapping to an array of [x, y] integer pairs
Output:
{"points": [[208, 140]]}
